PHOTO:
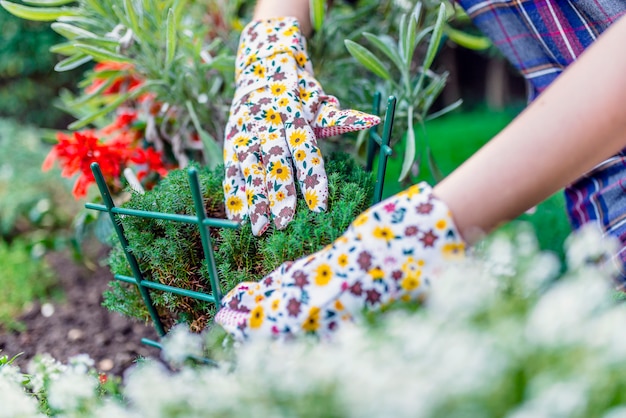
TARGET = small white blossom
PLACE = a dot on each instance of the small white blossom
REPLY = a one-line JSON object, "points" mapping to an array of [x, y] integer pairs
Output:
{"points": [[70, 390], [14, 402], [588, 246], [80, 363], [180, 344]]}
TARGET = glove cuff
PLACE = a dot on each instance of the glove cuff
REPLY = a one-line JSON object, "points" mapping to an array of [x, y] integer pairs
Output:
{"points": [[418, 219], [266, 38]]}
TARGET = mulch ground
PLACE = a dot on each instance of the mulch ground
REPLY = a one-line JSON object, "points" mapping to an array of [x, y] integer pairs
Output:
{"points": [[79, 324]]}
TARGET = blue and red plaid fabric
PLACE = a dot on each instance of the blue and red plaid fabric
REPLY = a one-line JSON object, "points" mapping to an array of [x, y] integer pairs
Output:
{"points": [[541, 38]]}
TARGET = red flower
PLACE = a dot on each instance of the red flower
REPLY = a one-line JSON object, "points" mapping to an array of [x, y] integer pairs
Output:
{"points": [[124, 79], [150, 160], [75, 154], [124, 120]]}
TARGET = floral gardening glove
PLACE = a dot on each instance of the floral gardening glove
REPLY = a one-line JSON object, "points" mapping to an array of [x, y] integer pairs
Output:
{"points": [[390, 252], [278, 111]]}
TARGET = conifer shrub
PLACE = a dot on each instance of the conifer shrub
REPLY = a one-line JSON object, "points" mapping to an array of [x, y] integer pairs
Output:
{"points": [[171, 252]]}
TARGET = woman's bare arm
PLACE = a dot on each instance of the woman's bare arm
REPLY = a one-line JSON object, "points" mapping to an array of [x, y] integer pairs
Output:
{"points": [[578, 122]]}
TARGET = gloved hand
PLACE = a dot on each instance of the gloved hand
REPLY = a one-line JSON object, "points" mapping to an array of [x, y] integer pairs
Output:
{"points": [[278, 111], [390, 252]]}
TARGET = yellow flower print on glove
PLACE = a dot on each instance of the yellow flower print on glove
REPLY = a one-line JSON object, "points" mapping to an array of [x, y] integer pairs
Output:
{"points": [[392, 251], [278, 112]]}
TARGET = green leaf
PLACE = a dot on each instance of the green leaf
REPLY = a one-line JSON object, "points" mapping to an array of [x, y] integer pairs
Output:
{"points": [[48, 3], [72, 62], [106, 43], [409, 151], [317, 13], [101, 54], [435, 38], [433, 90], [65, 48], [178, 7], [84, 121], [83, 21], [402, 36], [434, 167], [445, 110], [367, 59], [38, 13], [71, 31], [466, 40], [214, 153], [96, 6], [411, 35], [96, 94], [132, 15], [223, 63], [409, 40], [386, 45], [170, 38]]}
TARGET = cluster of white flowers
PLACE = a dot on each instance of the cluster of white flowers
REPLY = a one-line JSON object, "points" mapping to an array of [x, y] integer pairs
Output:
{"points": [[502, 335]]}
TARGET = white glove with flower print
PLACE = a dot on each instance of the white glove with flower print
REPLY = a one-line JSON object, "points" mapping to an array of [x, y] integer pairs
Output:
{"points": [[390, 252], [278, 111]]}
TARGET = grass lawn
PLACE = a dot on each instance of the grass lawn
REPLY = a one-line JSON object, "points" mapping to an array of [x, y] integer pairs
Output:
{"points": [[453, 139]]}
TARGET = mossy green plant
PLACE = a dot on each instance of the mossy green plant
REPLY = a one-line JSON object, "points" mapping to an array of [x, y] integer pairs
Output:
{"points": [[171, 253]]}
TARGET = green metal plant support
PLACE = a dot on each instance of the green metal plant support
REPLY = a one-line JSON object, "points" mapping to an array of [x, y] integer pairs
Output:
{"points": [[203, 222]]}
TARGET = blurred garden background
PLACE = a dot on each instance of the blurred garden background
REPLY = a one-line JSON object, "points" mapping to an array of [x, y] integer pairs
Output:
{"points": [[49, 243]]}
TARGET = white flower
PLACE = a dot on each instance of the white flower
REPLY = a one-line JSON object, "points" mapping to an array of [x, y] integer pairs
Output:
{"points": [[588, 246], [15, 403], [461, 291], [42, 368], [71, 390], [111, 409], [561, 316], [560, 399], [80, 363], [12, 373], [180, 344]]}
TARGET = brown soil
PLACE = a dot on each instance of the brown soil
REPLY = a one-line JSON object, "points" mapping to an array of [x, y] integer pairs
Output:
{"points": [[79, 323]]}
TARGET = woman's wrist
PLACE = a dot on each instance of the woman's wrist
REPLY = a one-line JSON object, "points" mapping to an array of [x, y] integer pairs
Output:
{"points": [[275, 8]]}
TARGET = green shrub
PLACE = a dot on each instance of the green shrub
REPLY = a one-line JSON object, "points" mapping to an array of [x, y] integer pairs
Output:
{"points": [[23, 280], [171, 253]]}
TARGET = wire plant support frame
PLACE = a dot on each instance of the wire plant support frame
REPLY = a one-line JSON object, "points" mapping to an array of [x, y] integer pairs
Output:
{"points": [[377, 144]]}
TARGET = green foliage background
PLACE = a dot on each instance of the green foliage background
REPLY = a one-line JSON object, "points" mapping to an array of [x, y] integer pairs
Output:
{"points": [[28, 83]]}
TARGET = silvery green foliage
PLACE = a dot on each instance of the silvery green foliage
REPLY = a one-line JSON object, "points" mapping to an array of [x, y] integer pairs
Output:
{"points": [[503, 335], [185, 66]]}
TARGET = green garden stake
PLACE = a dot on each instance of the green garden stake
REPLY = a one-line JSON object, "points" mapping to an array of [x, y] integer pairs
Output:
{"points": [[201, 220], [204, 234], [383, 142], [371, 144], [138, 279]]}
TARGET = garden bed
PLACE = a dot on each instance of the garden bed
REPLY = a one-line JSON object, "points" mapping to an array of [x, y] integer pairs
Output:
{"points": [[79, 323]]}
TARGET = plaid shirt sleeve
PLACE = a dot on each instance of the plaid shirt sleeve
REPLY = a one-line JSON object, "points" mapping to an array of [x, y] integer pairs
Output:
{"points": [[541, 38]]}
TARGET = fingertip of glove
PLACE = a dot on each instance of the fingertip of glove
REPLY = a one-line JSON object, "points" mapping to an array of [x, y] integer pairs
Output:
{"points": [[365, 121], [260, 227]]}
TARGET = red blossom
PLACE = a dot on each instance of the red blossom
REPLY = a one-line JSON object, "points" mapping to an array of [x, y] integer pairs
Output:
{"points": [[76, 152], [150, 160], [103, 378], [125, 81], [125, 118]]}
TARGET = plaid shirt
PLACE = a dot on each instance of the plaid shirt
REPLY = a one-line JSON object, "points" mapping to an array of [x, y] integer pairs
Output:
{"points": [[541, 38]]}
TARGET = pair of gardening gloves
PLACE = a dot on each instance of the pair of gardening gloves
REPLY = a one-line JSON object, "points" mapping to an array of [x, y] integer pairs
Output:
{"points": [[390, 252]]}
